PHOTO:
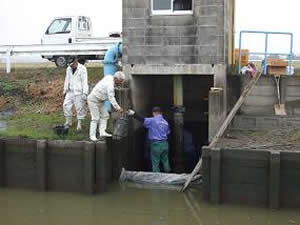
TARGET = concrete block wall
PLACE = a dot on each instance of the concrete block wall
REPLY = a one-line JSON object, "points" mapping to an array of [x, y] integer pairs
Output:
{"points": [[264, 95], [200, 38]]}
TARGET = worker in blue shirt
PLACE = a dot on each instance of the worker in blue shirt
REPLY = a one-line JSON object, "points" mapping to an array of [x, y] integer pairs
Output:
{"points": [[158, 131]]}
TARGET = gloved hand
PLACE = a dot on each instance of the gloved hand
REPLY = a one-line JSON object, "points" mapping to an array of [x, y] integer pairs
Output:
{"points": [[130, 112], [84, 97]]}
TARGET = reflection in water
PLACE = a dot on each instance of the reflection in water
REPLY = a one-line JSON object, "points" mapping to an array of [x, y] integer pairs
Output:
{"points": [[126, 204]]}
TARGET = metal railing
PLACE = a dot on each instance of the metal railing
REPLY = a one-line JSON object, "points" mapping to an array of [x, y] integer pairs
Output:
{"points": [[99, 49], [267, 53]]}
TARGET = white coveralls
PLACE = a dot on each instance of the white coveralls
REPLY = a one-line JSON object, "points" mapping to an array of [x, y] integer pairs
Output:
{"points": [[76, 89], [104, 90]]}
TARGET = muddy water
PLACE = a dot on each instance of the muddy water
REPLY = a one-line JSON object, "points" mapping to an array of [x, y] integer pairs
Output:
{"points": [[124, 205]]}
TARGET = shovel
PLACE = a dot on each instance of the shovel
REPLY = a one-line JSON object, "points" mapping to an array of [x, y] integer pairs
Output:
{"points": [[279, 108]]}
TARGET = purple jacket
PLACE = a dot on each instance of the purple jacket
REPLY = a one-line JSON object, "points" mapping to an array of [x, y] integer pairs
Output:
{"points": [[158, 128]]}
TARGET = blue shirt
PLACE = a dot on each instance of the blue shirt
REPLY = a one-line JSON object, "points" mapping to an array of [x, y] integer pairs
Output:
{"points": [[158, 128]]}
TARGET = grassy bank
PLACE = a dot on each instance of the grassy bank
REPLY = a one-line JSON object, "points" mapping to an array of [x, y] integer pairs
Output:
{"points": [[36, 94]]}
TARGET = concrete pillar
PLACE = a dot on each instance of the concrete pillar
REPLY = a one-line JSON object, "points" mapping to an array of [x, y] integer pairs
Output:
{"points": [[220, 81], [215, 109], [89, 168], [178, 124], [274, 187], [215, 176], [41, 165], [2, 163]]}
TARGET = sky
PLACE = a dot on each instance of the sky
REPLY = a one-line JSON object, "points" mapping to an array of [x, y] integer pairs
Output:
{"points": [[25, 21]]}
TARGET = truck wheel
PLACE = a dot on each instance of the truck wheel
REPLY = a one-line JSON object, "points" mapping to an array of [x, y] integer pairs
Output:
{"points": [[82, 61], [61, 61]]}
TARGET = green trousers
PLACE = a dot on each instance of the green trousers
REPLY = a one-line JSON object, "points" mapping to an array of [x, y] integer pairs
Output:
{"points": [[160, 153]]}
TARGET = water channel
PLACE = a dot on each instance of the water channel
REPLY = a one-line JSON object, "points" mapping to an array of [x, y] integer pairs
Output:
{"points": [[127, 205]]}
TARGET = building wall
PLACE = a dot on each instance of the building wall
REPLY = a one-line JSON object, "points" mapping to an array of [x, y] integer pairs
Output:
{"points": [[177, 39]]}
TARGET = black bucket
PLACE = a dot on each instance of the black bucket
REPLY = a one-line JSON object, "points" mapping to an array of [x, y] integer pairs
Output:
{"points": [[61, 130], [120, 128]]}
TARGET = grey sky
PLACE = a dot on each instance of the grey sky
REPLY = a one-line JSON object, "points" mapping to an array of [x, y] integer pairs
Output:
{"points": [[24, 21]]}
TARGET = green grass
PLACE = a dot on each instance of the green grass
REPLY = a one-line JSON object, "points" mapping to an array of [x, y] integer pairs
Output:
{"points": [[40, 126]]}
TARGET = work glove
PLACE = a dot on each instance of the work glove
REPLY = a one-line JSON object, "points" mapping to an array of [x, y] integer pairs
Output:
{"points": [[130, 112], [84, 97]]}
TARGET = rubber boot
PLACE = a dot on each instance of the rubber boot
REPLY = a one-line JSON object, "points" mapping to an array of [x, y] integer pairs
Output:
{"points": [[79, 125], [102, 129], [93, 130], [68, 122]]}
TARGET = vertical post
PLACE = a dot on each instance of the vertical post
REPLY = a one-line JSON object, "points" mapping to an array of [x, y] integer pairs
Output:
{"points": [[291, 53], [101, 166], [8, 63], [266, 54], [178, 123], [2, 163], [215, 113], [41, 161], [274, 186], [89, 167], [215, 176], [206, 161], [240, 46]]}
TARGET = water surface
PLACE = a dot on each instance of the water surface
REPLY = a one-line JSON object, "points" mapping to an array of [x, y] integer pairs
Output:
{"points": [[127, 205]]}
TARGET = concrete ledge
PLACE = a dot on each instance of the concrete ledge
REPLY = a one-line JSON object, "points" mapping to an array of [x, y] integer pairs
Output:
{"points": [[176, 69], [264, 122]]}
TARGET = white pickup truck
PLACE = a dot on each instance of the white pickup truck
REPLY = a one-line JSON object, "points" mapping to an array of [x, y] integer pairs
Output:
{"points": [[78, 30]]}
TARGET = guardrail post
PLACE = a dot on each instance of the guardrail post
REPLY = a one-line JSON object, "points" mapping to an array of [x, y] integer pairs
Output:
{"points": [[8, 64]]}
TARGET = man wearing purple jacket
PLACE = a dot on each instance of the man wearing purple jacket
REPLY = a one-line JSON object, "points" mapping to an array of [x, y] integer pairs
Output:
{"points": [[158, 130]]}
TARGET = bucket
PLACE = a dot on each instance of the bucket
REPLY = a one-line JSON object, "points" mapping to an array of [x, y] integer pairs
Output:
{"points": [[120, 128], [61, 130]]}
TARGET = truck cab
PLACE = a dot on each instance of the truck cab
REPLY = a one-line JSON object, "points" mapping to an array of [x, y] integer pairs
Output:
{"points": [[63, 30]]}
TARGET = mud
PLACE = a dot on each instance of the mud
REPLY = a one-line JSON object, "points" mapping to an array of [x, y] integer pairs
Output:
{"points": [[281, 139]]}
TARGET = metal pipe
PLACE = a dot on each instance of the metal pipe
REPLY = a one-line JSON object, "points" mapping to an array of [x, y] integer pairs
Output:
{"points": [[266, 54]]}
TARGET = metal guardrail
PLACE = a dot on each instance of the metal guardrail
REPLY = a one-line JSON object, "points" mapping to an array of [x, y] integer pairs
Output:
{"points": [[267, 53], [97, 48]]}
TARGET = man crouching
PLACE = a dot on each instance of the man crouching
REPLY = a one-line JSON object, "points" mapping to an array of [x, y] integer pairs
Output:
{"points": [[104, 90]]}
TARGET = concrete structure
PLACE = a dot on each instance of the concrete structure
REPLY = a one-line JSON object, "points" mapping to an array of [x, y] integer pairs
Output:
{"points": [[195, 38], [267, 178], [258, 112], [69, 166]]}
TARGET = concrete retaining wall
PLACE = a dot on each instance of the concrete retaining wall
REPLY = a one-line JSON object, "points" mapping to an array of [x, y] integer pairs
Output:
{"points": [[70, 166], [266, 178]]}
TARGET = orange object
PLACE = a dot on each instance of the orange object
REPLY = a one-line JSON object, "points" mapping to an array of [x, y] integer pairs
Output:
{"points": [[244, 56]]}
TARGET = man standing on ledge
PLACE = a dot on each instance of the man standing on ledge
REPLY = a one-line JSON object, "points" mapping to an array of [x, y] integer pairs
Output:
{"points": [[75, 92], [158, 130], [104, 90]]}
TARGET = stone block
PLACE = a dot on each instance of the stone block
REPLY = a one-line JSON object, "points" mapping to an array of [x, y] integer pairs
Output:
{"points": [[153, 40]]}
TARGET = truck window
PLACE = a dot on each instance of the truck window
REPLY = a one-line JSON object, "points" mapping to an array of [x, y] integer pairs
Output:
{"points": [[60, 26], [83, 24]]}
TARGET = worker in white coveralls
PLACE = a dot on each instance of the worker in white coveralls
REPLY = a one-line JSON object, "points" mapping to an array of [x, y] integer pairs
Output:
{"points": [[75, 92], [104, 90]]}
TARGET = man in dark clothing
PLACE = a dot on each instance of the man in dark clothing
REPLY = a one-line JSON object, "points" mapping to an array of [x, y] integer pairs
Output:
{"points": [[158, 130]]}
